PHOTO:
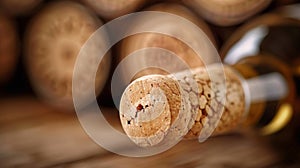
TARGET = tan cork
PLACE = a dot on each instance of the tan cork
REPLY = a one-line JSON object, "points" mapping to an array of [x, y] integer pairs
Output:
{"points": [[111, 9], [227, 12], [54, 39], [144, 40], [157, 109]]}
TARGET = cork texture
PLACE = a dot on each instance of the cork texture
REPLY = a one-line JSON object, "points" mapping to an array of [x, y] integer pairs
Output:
{"points": [[227, 12], [149, 107], [53, 39], [157, 40], [217, 114], [190, 105]]}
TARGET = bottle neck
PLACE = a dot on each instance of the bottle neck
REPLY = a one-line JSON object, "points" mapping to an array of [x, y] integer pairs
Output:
{"points": [[271, 92]]}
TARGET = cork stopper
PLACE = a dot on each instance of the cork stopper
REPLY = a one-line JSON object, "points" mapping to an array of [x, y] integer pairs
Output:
{"points": [[227, 12], [60, 34], [159, 109]]}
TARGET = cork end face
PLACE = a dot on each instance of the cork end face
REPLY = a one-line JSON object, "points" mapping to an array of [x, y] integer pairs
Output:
{"points": [[61, 42], [152, 113], [145, 112]]}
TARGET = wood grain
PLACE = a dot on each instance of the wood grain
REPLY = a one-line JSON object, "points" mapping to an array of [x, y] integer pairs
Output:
{"points": [[227, 151], [34, 135]]}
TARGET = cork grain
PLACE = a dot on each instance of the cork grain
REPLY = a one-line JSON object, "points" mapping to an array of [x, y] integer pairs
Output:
{"points": [[193, 106], [216, 114]]}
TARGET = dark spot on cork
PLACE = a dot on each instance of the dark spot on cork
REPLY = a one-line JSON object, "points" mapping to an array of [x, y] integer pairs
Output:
{"points": [[204, 112], [128, 122], [139, 107], [68, 54]]}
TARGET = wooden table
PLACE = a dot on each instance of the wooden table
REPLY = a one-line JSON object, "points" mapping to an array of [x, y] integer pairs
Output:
{"points": [[34, 135]]}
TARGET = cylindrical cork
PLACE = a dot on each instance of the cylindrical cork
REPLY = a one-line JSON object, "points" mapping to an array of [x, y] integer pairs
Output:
{"points": [[56, 37], [111, 9], [156, 109], [227, 12], [152, 40]]}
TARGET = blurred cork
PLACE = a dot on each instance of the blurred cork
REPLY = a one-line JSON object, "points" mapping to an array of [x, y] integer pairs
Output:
{"points": [[111, 9], [227, 12], [53, 40], [145, 40]]}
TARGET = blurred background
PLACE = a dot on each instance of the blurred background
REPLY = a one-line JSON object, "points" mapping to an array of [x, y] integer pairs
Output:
{"points": [[39, 43]]}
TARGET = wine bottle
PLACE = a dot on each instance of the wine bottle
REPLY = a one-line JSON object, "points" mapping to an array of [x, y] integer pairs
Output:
{"points": [[271, 42]]}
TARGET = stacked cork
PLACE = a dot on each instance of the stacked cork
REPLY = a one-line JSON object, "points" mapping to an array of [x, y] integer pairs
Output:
{"points": [[44, 38], [54, 39], [157, 109]]}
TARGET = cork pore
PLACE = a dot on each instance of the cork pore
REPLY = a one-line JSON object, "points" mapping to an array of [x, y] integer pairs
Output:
{"points": [[221, 105]]}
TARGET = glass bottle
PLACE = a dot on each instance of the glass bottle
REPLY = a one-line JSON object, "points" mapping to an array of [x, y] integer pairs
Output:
{"points": [[267, 43]]}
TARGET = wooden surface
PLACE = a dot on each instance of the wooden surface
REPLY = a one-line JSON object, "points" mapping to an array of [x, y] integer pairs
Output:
{"points": [[34, 135]]}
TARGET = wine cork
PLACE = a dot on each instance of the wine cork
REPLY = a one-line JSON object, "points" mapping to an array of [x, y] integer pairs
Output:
{"points": [[54, 39], [138, 42], [110, 9], [157, 109], [227, 12]]}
